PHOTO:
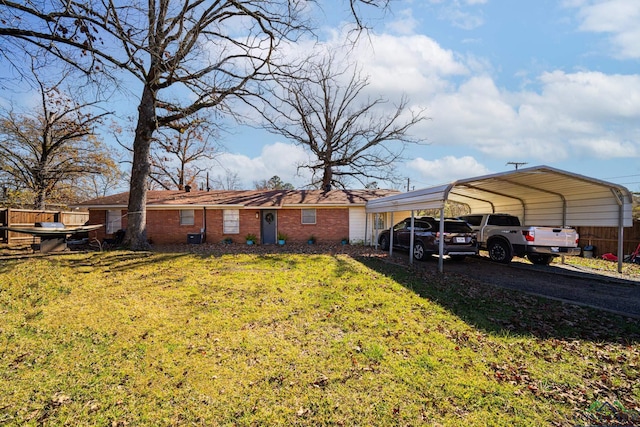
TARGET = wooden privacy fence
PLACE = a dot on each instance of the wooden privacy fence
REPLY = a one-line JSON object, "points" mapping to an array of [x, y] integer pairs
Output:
{"points": [[605, 239], [27, 218]]}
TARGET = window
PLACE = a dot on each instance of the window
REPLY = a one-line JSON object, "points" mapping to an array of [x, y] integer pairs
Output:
{"points": [[114, 221], [187, 217], [231, 221], [422, 225], [457, 227], [473, 220], [400, 226], [379, 221], [308, 216], [504, 221]]}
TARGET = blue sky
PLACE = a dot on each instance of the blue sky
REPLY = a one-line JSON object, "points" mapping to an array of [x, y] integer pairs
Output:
{"points": [[536, 81]]}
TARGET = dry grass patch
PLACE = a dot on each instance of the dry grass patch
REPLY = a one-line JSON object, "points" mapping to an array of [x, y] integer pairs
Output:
{"points": [[124, 338]]}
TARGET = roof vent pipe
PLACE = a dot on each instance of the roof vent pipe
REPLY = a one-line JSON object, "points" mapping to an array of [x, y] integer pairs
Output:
{"points": [[187, 188]]}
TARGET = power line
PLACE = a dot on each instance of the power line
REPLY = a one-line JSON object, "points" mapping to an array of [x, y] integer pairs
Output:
{"points": [[625, 176]]}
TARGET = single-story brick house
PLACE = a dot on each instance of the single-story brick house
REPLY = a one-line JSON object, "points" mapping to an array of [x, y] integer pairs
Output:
{"points": [[212, 216]]}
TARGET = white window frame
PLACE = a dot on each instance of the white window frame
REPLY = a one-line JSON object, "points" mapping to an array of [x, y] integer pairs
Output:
{"points": [[231, 221], [113, 220], [187, 216], [306, 220], [379, 221]]}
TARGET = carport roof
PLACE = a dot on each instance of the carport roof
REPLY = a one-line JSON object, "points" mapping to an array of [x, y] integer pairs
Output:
{"points": [[539, 195]]}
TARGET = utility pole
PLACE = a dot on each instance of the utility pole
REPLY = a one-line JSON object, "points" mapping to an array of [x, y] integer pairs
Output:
{"points": [[408, 182], [517, 164]]}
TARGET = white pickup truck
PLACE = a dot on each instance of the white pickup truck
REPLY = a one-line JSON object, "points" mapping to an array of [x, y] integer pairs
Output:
{"points": [[503, 237]]}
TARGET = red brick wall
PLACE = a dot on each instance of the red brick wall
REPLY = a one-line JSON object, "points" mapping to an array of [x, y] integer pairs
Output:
{"points": [[332, 225], [100, 217], [249, 224], [163, 226]]}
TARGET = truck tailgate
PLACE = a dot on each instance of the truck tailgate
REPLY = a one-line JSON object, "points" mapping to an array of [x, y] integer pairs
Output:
{"points": [[555, 236]]}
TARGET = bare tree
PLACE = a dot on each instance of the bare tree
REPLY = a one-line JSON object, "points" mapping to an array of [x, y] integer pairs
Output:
{"points": [[48, 149], [346, 134], [206, 51], [95, 186], [177, 158], [167, 45], [273, 183], [228, 181]]}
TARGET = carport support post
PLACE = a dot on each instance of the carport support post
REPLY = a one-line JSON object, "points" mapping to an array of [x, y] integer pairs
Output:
{"points": [[411, 238], [441, 242], [391, 236], [366, 228], [620, 236]]}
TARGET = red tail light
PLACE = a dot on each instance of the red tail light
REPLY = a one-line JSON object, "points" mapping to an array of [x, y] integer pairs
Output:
{"points": [[529, 235]]}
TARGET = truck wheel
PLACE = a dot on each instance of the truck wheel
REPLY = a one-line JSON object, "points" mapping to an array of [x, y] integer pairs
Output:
{"points": [[384, 243], [418, 251], [500, 251], [539, 259]]}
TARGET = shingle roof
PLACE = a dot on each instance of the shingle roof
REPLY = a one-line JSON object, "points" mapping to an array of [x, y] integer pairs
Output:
{"points": [[243, 198]]}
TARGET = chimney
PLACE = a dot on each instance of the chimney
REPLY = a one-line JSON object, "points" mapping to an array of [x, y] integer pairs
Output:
{"points": [[187, 188]]}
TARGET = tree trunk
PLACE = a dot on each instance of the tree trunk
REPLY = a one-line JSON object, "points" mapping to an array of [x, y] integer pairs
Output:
{"points": [[39, 201], [136, 236], [327, 178]]}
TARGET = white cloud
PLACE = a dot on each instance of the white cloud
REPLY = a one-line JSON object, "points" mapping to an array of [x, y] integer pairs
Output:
{"points": [[275, 159], [411, 64], [446, 169], [539, 125], [460, 15], [405, 24], [595, 94], [603, 148], [559, 116], [619, 18]]}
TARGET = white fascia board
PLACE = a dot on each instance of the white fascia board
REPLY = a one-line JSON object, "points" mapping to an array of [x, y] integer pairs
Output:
{"points": [[427, 198], [174, 207], [101, 207], [319, 205]]}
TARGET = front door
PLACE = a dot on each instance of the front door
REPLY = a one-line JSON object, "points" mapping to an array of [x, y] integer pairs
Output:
{"points": [[269, 227]]}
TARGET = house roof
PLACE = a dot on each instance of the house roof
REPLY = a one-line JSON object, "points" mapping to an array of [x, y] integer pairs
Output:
{"points": [[265, 199]]}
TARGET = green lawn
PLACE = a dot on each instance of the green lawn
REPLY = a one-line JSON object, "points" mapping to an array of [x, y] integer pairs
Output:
{"points": [[131, 339]]}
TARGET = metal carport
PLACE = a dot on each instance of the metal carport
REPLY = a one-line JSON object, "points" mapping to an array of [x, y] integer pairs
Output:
{"points": [[539, 195]]}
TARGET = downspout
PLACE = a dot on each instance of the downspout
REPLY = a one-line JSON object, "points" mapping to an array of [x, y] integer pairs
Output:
{"points": [[375, 230], [391, 236], [203, 231], [411, 238], [366, 227]]}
